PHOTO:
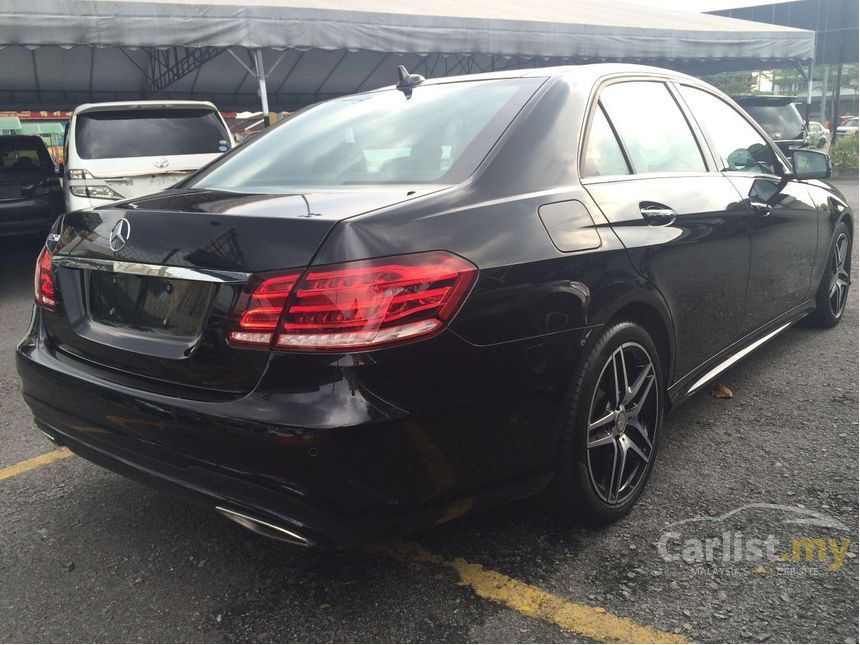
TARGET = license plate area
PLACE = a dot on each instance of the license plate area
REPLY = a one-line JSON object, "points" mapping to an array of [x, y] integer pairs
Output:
{"points": [[149, 305]]}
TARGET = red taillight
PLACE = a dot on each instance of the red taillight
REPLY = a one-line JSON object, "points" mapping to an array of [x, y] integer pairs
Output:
{"points": [[259, 318], [45, 293], [358, 305]]}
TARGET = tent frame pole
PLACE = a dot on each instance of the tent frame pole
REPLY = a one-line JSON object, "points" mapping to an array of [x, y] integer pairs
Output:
{"points": [[260, 73]]}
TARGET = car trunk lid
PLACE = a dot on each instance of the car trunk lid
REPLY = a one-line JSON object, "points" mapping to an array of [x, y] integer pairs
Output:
{"points": [[157, 303]]}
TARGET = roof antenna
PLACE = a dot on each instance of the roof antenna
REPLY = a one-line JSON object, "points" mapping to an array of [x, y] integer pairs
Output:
{"points": [[407, 81]]}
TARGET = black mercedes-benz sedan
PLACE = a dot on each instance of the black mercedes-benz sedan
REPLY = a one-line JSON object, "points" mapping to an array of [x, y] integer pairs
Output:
{"points": [[399, 307]]}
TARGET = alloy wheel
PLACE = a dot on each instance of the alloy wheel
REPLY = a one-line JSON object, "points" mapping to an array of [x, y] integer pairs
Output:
{"points": [[622, 423], [840, 276]]}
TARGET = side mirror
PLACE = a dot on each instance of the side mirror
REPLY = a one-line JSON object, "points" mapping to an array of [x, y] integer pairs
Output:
{"points": [[810, 164]]}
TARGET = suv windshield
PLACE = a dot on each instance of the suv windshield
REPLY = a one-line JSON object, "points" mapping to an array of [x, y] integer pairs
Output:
{"points": [[438, 135], [779, 121], [119, 134]]}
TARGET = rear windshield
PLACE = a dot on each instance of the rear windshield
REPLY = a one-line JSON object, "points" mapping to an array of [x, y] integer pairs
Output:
{"points": [[149, 133], [438, 135], [782, 120], [19, 154]]}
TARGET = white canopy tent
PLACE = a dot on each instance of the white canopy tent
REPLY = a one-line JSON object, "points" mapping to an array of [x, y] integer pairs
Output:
{"points": [[59, 53]]}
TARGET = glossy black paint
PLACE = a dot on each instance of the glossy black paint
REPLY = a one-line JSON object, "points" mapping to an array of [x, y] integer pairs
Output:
{"points": [[345, 447]]}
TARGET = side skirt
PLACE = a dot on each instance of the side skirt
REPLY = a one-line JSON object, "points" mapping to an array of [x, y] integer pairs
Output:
{"points": [[694, 380]]}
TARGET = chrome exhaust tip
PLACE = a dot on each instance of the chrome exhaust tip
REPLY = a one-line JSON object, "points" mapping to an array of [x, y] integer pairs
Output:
{"points": [[265, 528], [50, 437]]}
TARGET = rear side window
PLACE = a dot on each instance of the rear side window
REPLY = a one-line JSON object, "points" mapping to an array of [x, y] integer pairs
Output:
{"points": [[149, 133], [603, 155], [740, 147], [652, 127]]}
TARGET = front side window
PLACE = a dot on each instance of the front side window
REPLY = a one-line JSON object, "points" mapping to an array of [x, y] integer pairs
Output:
{"points": [[739, 145], [603, 155], [437, 135], [117, 134], [653, 128]]}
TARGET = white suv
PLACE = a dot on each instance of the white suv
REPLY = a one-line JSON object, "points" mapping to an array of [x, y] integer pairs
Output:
{"points": [[127, 149]]}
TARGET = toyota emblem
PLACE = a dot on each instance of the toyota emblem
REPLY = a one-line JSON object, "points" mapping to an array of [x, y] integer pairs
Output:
{"points": [[161, 163], [119, 234]]}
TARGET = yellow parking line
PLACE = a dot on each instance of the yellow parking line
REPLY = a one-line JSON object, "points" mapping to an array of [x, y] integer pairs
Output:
{"points": [[31, 464], [592, 622]]}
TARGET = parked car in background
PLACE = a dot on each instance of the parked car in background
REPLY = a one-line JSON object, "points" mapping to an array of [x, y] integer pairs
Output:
{"points": [[817, 136], [394, 308], [121, 150], [779, 117], [847, 129], [30, 194]]}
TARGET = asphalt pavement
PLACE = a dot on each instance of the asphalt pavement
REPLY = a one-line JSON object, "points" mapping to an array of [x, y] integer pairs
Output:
{"points": [[747, 531]]}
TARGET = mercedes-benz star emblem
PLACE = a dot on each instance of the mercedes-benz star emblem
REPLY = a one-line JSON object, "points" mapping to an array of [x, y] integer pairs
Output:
{"points": [[161, 163], [119, 234]]}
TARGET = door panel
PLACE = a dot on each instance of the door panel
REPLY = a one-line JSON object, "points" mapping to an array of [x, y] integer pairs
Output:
{"points": [[783, 219], [699, 262], [784, 240]]}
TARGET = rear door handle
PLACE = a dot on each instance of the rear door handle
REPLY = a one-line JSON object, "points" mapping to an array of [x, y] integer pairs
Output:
{"points": [[762, 209], [657, 214]]}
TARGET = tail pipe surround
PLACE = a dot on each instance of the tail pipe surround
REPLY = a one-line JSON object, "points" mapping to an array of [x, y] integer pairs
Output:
{"points": [[266, 528]]}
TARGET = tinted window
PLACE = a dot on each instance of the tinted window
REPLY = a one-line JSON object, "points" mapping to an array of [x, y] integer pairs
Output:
{"points": [[603, 155], [19, 154], [739, 146], [652, 127], [149, 133], [779, 121], [439, 135]]}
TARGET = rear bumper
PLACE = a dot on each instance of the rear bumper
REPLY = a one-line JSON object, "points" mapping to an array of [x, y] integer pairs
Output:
{"points": [[386, 471], [204, 487]]}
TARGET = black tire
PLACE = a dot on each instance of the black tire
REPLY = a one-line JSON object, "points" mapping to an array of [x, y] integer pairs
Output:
{"points": [[579, 490], [833, 290]]}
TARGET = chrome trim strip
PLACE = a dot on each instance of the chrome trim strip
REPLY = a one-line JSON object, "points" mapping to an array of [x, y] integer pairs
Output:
{"points": [[731, 360], [154, 270]]}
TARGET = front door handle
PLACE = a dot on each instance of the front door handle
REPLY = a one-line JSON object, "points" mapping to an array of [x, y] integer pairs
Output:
{"points": [[657, 214]]}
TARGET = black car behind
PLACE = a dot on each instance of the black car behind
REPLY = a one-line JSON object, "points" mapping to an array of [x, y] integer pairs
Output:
{"points": [[30, 194], [779, 117], [399, 307]]}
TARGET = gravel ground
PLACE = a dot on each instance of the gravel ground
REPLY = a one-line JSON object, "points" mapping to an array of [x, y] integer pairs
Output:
{"points": [[86, 555]]}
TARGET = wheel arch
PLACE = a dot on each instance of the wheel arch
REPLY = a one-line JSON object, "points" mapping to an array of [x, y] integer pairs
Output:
{"points": [[655, 318], [848, 218]]}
